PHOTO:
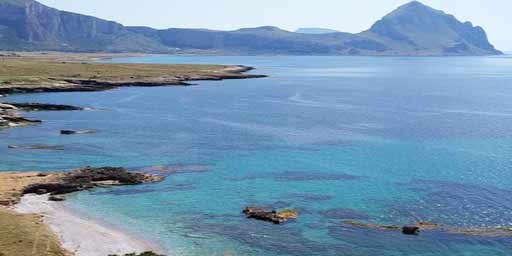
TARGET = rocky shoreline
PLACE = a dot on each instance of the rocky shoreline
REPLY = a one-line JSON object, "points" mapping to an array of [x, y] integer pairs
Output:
{"points": [[101, 84], [10, 112], [33, 196]]}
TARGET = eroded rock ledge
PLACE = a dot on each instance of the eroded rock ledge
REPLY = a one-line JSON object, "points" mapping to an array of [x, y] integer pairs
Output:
{"points": [[14, 185], [88, 178], [10, 116]]}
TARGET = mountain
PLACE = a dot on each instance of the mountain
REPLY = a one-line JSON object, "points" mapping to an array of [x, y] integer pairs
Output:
{"points": [[415, 27], [412, 29], [29, 25], [315, 31]]}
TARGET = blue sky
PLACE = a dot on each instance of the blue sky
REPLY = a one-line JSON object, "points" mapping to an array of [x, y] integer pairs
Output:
{"points": [[344, 15]]}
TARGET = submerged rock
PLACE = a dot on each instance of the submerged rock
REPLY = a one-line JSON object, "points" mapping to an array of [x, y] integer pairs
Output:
{"points": [[71, 132], [276, 217], [36, 147]]}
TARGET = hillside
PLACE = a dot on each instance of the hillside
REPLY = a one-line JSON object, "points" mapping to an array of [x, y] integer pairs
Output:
{"points": [[412, 29]]}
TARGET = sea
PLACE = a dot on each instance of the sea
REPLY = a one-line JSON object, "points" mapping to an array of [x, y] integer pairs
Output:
{"points": [[376, 140]]}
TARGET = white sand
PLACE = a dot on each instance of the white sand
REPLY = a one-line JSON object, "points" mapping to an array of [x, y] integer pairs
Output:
{"points": [[82, 236]]}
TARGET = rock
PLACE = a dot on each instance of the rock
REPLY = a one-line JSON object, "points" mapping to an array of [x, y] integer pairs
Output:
{"points": [[149, 253], [56, 198], [43, 107], [71, 132], [410, 230], [54, 188], [36, 147], [273, 216], [7, 106], [88, 178], [5, 202]]}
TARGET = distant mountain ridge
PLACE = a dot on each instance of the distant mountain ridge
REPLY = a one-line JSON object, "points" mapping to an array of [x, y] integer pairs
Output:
{"points": [[413, 29], [315, 31]]}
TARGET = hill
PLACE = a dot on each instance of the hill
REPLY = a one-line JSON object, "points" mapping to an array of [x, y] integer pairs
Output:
{"points": [[412, 29]]}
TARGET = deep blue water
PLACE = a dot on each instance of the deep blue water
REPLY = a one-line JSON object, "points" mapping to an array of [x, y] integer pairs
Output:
{"points": [[381, 140]]}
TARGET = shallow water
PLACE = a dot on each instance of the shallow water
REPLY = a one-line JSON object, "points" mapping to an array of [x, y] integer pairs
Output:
{"points": [[381, 140]]}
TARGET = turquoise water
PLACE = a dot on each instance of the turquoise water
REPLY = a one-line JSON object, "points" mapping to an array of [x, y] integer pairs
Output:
{"points": [[380, 140]]}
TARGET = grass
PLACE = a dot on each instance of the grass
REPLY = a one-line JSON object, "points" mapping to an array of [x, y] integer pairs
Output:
{"points": [[24, 234], [21, 70], [27, 235]]}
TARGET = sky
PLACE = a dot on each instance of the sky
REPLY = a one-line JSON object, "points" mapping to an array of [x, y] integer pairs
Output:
{"points": [[343, 15]]}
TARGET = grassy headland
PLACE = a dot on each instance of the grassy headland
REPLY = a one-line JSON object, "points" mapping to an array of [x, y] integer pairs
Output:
{"points": [[67, 72], [73, 72]]}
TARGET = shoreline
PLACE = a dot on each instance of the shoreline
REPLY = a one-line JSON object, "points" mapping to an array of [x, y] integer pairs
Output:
{"points": [[81, 235], [59, 72], [34, 219]]}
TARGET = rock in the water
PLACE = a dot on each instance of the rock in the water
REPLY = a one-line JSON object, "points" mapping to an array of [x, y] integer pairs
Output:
{"points": [[276, 217], [55, 188], [56, 198], [410, 230], [43, 107], [88, 178], [149, 253], [71, 132], [36, 147]]}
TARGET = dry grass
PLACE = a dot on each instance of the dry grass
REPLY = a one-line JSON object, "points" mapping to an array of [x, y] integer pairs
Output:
{"points": [[25, 234], [12, 184], [18, 70]]}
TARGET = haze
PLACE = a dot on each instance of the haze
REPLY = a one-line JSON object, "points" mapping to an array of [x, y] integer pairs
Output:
{"points": [[342, 15]]}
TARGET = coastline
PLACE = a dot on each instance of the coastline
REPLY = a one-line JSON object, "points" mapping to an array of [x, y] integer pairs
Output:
{"points": [[35, 222], [79, 234], [60, 72], [67, 232]]}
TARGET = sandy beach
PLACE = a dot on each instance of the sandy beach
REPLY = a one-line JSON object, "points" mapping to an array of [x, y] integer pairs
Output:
{"points": [[83, 237]]}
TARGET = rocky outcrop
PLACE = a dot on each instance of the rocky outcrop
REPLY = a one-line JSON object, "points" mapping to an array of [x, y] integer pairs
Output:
{"points": [[276, 217], [10, 117], [88, 178], [43, 107]]}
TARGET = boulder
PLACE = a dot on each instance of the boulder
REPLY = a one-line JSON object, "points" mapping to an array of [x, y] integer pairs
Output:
{"points": [[56, 198], [276, 217], [410, 230]]}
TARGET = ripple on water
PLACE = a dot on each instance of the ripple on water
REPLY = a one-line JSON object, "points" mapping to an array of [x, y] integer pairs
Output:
{"points": [[457, 204]]}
